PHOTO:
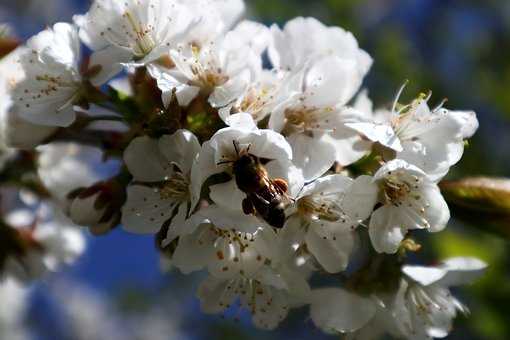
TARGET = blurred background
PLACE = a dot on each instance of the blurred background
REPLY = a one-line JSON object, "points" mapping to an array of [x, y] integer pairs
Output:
{"points": [[459, 49]]}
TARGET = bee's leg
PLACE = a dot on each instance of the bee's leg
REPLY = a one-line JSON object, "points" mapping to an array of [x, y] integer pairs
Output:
{"points": [[281, 185], [224, 162], [276, 218], [248, 207]]}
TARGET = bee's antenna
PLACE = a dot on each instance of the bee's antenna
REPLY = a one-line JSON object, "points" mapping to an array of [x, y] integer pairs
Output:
{"points": [[248, 148], [236, 147]]}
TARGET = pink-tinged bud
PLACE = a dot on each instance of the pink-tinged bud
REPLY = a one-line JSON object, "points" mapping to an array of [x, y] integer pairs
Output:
{"points": [[97, 207]]}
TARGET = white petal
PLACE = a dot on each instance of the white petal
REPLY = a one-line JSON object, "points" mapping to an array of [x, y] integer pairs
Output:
{"points": [[145, 211], [181, 148], [336, 310], [110, 59], [437, 213], [462, 270], [59, 44], [331, 81], [215, 296], [231, 90], [20, 133], [254, 35], [349, 145], [469, 122], [424, 275], [327, 185], [305, 39], [400, 312], [83, 211], [361, 198], [331, 248], [271, 306], [194, 251], [227, 195], [314, 156], [55, 109], [386, 230], [271, 145], [363, 104], [398, 165], [380, 133], [145, 162], [167, 83], [203, 167], [231, 260], [181, 225], [437, 143], [228, 219], [241, 121], [292, 236]]}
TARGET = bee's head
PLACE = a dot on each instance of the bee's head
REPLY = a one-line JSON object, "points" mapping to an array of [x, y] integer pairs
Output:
{"points": [[245, 160]]}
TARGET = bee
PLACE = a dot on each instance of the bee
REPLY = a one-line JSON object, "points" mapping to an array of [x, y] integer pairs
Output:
{"points": [[265, 197]]}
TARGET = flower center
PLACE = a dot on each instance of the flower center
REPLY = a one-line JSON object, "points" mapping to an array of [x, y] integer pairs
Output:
{"points": [[255, 101], [206, 74], [395, 192], [243, 240], [51, 86], [396, 189], [257, 297], [176, 188], [139, 36], [320, 208], [426, 302], [307, 120]]}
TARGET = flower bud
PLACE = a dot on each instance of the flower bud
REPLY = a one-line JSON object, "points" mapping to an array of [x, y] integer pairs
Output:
{"points": [[97, 207]]}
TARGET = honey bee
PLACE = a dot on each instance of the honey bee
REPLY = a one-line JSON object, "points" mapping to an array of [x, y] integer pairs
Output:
{"points": [[265, 197]]}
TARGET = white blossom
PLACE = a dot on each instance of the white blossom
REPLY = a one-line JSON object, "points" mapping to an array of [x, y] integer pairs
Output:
{"points": [[84, 211], [304, 40], [216, 18], [160, 191], [64, 167], [16, 131], [421, 308], [409, 200], [424, 307], [226, 253], [313, 116], [221, 69], [431, 139], [218, 153], [335, 310], [324, 217], [268, 305], [259, 99], [49, 241], [131, 32], [52, 83], [14, 299], [255, 278], [275, 163]]}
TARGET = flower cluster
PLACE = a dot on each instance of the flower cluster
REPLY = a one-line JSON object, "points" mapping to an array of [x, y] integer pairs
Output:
{"points": [[250, 152]]}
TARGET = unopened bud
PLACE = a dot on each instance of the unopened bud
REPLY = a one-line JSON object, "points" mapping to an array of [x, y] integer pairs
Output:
{"points": [[97, 207]]}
